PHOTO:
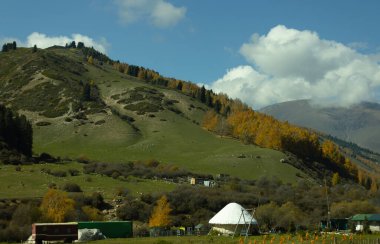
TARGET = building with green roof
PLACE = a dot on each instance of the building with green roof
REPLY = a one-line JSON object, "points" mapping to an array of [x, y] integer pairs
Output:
{"points": [[360, 220]]}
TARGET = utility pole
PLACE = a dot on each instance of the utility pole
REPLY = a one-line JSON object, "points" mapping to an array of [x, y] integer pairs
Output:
{"points": [[328, 224]]}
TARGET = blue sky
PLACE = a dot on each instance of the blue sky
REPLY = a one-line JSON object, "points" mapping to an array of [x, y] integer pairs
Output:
{"points": [[202, 41]]}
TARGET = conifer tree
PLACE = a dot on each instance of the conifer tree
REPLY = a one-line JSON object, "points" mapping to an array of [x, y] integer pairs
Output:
{"points": [[217, 106], [208, 99], [179, 86], [86, 92], [202, 95], [5, 48]]}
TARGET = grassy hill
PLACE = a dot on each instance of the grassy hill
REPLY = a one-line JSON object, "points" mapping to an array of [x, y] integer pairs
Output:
{"points": [[128, 120]]}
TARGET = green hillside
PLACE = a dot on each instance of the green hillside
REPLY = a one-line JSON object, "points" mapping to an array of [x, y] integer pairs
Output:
{"points": [[47, 86]]}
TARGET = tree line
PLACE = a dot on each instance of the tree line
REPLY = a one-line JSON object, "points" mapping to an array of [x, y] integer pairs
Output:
{"points": [[9, 46], [16, 131]]}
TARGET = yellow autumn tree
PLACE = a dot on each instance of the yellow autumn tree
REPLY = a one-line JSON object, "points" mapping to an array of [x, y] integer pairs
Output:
{"points": [[335, 179], [160, 216], [210, 120], [90, 60], [374, 187], [360, 176], [142, 75], [56, 206]]}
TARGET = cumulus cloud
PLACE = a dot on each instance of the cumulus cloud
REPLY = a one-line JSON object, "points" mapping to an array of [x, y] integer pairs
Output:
{"points": [[288, 64], [159, 12], [44, 41]]}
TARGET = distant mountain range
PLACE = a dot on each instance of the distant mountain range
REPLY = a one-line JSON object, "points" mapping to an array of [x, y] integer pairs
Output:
{"points": [[359, 123]]}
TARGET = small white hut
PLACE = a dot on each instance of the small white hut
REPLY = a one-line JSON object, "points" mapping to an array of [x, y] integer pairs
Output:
{"points": [[232, 216]]}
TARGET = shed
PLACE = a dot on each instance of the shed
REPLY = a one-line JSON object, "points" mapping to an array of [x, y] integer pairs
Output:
{"points": [[67, 232], [360, 219], [110, 229], [201, 229], [335, 224]]}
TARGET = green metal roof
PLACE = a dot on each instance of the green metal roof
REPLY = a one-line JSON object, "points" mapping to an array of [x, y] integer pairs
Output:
{"points": [[362, 217]]}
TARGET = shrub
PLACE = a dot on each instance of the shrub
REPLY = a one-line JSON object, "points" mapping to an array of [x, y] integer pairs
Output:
{"points": [[143, 107], [175, 110], [45, 157], [71, 187], [52, 185], [97, 201], [25, 214], [115, 174], [15, 233], [45, 170], [73, 172], [133, 210], [100, 122], [83, 159], [122, 192], [58, 173], [152, 163], [43, 123]]}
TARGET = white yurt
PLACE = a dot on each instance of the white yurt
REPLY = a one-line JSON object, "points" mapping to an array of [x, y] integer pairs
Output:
{"points": [[232, 216]]}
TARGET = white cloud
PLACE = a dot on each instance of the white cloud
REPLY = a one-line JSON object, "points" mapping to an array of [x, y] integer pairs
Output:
{"points": [[44, 41], [358, 45], [4, 40], [159, 12], [289, 64]]}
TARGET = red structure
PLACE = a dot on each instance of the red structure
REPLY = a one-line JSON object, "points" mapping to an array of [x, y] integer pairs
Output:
{"points": [[67, 232]]}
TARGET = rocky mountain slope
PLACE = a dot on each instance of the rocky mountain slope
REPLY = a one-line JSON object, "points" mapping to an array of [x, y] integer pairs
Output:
{"points": [[359, 123]]}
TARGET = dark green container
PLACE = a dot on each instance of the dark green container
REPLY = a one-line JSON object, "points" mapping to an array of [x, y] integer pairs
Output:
{"points": [[111, 229]]}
